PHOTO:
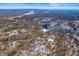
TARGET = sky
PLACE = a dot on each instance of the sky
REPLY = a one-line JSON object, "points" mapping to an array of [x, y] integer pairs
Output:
{"points": [[39, 5]]}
